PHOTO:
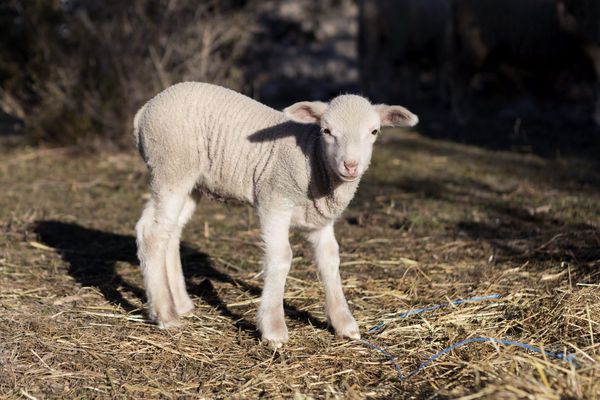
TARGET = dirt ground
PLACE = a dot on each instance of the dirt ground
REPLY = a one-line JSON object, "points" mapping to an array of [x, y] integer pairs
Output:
{"points": [[433, 222]]}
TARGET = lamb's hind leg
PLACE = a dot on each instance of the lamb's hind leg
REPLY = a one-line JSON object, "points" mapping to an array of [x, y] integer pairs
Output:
{"points": [[183, 303], [155, 228]]}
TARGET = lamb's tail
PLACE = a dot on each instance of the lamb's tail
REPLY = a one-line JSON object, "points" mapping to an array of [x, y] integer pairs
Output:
{"points": [[136, 125]]}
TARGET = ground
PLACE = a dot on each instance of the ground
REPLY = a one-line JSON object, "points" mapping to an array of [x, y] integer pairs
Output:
{"points": [[433, 222]]}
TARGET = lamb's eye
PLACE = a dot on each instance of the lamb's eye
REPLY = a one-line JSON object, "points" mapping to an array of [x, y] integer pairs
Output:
{"points": [[374, 131], [326, 131]]}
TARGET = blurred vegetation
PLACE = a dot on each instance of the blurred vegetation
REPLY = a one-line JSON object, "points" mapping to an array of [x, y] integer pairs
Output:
{"points": [[77, 70], [73, 72]]}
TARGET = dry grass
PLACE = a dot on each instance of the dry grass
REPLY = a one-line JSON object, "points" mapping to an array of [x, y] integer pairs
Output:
{"points": [[433, 222]]}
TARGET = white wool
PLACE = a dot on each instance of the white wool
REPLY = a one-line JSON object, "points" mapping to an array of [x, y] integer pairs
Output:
{"points": [[233, 147]]}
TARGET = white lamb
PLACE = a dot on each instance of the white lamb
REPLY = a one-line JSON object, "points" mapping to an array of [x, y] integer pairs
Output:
{"points": [[299, 168]]}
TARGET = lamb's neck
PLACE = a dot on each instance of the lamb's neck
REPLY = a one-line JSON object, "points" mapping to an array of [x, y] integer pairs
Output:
{"points": [[331, 194], [342, 193]]}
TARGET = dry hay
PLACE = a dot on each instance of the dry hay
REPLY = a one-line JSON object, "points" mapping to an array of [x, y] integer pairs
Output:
{"points": [[70, 292]]}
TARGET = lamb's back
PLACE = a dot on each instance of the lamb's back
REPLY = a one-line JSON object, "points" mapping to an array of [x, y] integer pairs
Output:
{"points": [[210, 130]]}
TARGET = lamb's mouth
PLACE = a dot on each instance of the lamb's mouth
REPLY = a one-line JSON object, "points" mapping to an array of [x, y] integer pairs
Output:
{"points": [[347, 178]]}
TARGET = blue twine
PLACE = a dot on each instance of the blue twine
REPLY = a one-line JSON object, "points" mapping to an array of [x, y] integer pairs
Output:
{"points": [[386, 354], [555, 355], [422, 310], [558, 355]]}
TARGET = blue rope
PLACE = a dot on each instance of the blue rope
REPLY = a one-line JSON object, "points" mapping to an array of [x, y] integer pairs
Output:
{"points": [[422, 310], [386, 354], [558, 355]]}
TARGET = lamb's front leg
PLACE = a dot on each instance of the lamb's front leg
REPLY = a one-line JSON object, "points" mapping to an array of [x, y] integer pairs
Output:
{"points": [[327, 256], [275, 227]]}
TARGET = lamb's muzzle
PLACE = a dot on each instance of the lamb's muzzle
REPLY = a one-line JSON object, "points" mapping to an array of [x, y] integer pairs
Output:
{"points": [[299, 168]]}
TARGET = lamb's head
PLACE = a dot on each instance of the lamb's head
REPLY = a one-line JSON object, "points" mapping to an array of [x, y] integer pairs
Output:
{"points": [[349, 125]]}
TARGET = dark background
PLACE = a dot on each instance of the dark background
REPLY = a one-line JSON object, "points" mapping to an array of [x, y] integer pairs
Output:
{"points": [[521, 75]]}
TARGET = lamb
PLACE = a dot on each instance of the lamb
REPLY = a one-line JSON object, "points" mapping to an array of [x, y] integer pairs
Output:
{"points": [[298, 168]]}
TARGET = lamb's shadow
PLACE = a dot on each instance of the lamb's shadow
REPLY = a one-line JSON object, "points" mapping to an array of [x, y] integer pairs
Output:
{"points": [[307, 138], [305, 135], [91, 256]]}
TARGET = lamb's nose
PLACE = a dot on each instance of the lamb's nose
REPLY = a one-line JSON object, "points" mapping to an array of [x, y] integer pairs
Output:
{"points": [[351, 167]]}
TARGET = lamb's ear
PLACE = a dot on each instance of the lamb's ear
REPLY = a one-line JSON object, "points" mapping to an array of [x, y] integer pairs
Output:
{"points": [[395, 115], [308, 112]]}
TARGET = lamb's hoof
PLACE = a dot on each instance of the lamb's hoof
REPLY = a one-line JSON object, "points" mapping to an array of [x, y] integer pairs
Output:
{"points": [[275, 342], [345, 325], [164, 320], [351, 334], [274, 332], [185, 307], [173, 323]]}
